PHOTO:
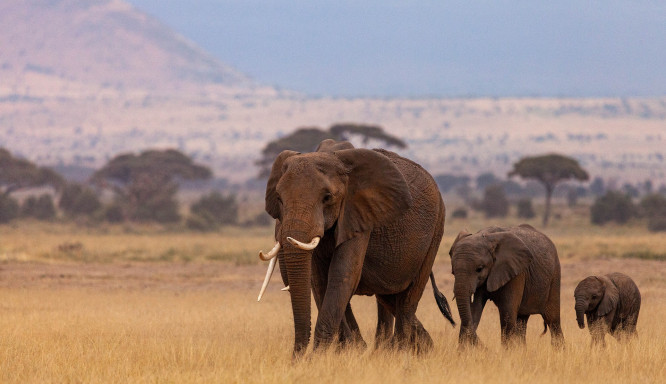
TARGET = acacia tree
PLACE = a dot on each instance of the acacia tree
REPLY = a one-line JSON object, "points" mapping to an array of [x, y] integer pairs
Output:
{"points": [[549, 170], [17, 173], [306, 140], [145, 184]]}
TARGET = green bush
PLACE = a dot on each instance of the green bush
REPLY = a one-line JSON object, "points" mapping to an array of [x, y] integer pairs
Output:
{"points": [[613, 206], [495, 203], [653, 207], [40, 208], [9, 208], [216, 208], [79, 200], [525, 209], [459, 213], [114, 213]]}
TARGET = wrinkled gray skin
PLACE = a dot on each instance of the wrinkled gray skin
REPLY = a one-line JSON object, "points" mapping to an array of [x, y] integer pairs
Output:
{"points": [[380, 218], [611, 304], [518, 269]]}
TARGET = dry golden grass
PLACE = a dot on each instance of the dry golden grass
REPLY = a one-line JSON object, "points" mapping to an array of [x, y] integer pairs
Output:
{"points": [[196, 319]]}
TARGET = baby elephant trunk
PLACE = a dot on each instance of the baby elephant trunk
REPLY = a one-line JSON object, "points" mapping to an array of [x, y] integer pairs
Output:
{"points": [[580, 313]]}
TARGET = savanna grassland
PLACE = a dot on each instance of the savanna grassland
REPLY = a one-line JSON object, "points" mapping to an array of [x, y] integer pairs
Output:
{"points": [[144, 304]]}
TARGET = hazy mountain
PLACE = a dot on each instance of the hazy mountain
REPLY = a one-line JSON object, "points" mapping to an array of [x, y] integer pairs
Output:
{"points": [[101, 42]]}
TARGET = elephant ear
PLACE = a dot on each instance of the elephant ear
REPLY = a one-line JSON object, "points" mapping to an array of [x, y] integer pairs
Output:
{"points": [[272, 202], [377, 193], [511, 256], [461, 235], [611, 296]]}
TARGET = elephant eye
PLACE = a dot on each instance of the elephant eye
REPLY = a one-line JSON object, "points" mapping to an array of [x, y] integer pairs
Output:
{"points": [[479, 268], [594, 296], [279, 200], [327, 198]]}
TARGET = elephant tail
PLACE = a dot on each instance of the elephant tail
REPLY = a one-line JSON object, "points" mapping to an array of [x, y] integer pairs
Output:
{"points": [[442, 303]]}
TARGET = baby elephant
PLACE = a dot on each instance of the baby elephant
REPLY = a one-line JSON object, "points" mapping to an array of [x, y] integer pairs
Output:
{"points": [[611, 304]]}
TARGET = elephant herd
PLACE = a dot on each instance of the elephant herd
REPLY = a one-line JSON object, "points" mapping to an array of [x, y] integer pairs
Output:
{"points": [[369, 222]]}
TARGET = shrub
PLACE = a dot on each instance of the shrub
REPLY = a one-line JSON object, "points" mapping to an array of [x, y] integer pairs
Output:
{"points": [[77, 199], [216, 208], [9, 208], [40, 208], [653, 206], [262, 219], [495, 203], [613, 206], [525, 209], [199, 223], [114, 213], [459, 213]]}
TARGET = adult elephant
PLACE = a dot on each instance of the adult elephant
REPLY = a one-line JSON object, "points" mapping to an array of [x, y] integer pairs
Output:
{"points": [[518, 269], [355, 221]]}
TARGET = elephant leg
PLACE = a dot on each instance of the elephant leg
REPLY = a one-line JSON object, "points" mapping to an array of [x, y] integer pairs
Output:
{"points": [[598, 332], [551, 315], [508, 303], [344, 274], [385, 323], [352, 334], [409, 332], [349, 332], [521, 328]]}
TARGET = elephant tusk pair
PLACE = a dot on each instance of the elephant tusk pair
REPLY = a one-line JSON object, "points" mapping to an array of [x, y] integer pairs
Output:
{"points": [[306, 247], [271, 256]]}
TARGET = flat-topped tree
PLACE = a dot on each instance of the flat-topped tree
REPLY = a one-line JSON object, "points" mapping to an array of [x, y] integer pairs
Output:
{"points": [[308, 138], [17, 173], [145, 184], [549, 170]]}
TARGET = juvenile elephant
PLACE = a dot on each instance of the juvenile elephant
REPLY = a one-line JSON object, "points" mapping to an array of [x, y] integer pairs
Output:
{"points": [[355, 221], [518, 269], [611, 304]]}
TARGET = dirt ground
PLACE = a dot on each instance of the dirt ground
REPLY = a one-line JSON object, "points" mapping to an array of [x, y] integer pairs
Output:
{"points": [[650, 275]]}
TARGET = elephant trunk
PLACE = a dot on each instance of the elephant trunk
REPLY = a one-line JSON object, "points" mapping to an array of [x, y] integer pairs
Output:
{"points": [[298, 265], [580, 312], [298, 262], [461, 289]]}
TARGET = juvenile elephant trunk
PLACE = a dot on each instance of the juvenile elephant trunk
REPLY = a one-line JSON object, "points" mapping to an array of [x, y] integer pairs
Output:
{"points": [[463, 299], [581, 306]]}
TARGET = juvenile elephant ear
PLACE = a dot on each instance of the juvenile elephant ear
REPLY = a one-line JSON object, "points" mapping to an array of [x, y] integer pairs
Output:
{"points": [[461, 235], [512, 257], [611, 296], [272, 203], [377, 193]]}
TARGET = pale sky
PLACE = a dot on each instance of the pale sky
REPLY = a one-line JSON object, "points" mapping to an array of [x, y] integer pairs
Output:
{"points": [[416, 48]]}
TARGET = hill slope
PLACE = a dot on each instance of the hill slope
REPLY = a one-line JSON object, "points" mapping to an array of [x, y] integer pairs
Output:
{"points": [[102, 42]]}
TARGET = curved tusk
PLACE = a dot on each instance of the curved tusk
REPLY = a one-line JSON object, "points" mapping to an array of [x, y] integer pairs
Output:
{"points": [[269, 273], [306, 247], [286, 289], [271, 254]]}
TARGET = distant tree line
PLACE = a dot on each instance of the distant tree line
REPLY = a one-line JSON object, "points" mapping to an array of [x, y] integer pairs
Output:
{"points": [[143, 189], [611, 203]]}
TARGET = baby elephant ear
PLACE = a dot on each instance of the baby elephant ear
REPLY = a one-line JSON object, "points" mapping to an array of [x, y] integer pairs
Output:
{"points": [[611, 296], [511, 258], [461, 235]]}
